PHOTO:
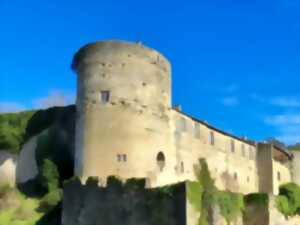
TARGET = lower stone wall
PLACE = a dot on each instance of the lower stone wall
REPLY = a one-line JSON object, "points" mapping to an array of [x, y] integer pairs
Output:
{"points": [[90, 204], [7, 168], [134, 205]]}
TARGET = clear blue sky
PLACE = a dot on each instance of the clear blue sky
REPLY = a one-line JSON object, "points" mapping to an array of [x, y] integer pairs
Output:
{"points": [[236, 64]]}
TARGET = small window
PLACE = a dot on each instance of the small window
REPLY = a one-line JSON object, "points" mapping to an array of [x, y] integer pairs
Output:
{"points": [[119, 158], [278, 176], [232, 145], [182, 167], [211, 138], [161, 161], [182, 124], [124, 157], [248, 179], [235, 176], [104, 96], [243, 150], [196, 130]]}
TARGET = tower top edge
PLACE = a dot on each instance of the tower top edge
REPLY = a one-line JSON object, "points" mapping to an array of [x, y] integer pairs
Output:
{"points": [[111, 47]]}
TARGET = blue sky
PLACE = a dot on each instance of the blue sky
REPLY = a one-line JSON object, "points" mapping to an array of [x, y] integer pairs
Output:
{"points": [[236, 64]]}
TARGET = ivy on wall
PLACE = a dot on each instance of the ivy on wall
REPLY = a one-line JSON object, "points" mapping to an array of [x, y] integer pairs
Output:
{"points": [[204, 196]]}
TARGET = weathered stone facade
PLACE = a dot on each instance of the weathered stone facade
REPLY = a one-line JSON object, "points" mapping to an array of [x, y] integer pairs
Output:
{"points": [[127, 127]]}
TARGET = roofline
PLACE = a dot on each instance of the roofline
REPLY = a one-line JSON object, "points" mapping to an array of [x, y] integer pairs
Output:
{"points": [[284, 151], [249, 142]]}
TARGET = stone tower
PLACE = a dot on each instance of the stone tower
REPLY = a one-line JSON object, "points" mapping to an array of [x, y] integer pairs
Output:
{"points": [[123, 112]]}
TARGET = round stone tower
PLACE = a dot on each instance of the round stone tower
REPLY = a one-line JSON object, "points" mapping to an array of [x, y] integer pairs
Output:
{"points": [[123, 112]]}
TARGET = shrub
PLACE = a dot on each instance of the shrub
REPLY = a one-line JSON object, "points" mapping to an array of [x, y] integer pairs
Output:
{"points": [[288, 201], [257, 198], [49, 175], [231, 205], [50, 200]]}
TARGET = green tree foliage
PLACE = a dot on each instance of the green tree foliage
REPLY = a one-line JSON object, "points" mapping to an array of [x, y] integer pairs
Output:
{"points": [[231, 205], [13, 130], [288, 201], [257, 198], [50, 175]]}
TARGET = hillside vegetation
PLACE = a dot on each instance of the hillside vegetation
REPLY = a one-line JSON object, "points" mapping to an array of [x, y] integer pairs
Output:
{"points": [[17, 128]]}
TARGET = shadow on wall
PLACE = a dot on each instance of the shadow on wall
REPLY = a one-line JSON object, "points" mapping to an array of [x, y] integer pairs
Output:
{"points": [[127, 204], [230, 181]]}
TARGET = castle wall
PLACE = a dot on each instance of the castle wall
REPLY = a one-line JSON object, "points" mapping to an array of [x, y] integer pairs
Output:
{"points": [[296, 167], [281, 175], [232, 168], [125, 126]]}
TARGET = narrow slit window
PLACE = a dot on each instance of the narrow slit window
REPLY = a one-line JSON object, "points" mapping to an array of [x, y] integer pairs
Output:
{"points": [[182, 167], [243, 150], [232, 145], [212, 138], [278, 176], [196, 130], [124, 157], [235, 176], [104, 96]]}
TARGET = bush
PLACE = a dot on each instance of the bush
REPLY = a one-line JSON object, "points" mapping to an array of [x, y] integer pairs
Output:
{"points": [[231, 205], [49, 175], [50, 200], [288, 201], [257, 198]]}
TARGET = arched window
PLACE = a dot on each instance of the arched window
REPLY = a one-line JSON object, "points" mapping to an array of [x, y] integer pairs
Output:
{"points": [[161, 160]]}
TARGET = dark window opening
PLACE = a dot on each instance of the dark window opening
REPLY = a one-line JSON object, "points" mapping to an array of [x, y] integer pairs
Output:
{"points": [[104, 98], [212, 138], [235, 176], [232, 145], [182, 167], [161, 160]]}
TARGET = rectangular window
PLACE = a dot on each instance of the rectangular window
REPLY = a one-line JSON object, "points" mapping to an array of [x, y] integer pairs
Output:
{"points": [[181, 125], [232, 146], [212, 138], [243, 150], [278, 176], [124, 158], [104, 96], [119, 158], [196, 130]]}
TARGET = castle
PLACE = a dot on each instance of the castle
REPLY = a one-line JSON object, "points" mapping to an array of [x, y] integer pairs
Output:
{"points": [[126, 126]]}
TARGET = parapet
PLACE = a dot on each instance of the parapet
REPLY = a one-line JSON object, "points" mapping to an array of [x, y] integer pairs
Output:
{"points": [[95, 52]]}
